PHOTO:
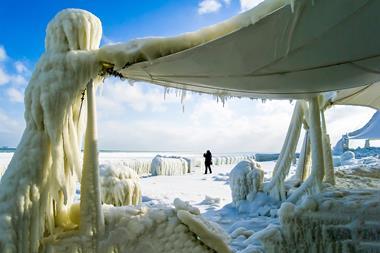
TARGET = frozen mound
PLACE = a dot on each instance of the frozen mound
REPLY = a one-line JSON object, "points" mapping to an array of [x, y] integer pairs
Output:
{"points": [[142, 230], [120, 185], [169, 166], [40, 181], [347, 158], [335, 220], [246, 180]]}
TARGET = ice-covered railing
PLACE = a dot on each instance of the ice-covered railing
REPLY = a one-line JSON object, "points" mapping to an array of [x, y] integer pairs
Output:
{"points": [[230, 159], [140, 165], [120, 185], [170, 166]]}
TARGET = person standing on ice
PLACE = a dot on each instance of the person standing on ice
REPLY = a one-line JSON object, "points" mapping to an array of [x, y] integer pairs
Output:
{"points": [[208, 161]]}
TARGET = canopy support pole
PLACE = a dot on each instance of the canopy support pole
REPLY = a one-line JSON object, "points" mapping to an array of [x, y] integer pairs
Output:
{"points": [[276, 187], [91, 213], [327, 154], [303, 165], [313, 183]]}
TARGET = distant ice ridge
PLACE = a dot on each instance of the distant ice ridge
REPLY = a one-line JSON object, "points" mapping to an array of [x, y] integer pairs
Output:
{"points": [[120, 185]]}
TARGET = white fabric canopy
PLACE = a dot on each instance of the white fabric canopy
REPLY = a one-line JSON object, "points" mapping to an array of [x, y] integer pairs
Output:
{"points": [[370, 131], [322, 45]]}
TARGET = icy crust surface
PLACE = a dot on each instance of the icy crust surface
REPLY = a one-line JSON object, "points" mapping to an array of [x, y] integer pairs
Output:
{"points": [[246, 180], [340, 219], [335, 221], [169, 166], [40, 179], [147, 49], [120, 185], [153, 230]]}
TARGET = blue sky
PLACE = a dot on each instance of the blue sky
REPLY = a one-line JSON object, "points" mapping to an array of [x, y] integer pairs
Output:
{"points": [[137, 117]]}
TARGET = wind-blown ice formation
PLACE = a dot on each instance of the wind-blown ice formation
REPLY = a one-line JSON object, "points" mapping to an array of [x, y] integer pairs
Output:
{"points": [[120, 185], [169, 166], [39, 183], [246, 179]]}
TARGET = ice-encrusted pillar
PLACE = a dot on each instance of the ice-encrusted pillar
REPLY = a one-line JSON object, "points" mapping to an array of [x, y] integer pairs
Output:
{"points": [[303, 165], [276, 187], [327, 154], [91, 214], [314, 182]]}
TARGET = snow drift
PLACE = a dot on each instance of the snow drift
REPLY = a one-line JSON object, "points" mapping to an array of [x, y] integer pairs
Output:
{"points": [[120, 185]]}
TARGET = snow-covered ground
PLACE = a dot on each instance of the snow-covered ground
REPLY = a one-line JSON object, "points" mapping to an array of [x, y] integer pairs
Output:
{"points": [[211, 193]]}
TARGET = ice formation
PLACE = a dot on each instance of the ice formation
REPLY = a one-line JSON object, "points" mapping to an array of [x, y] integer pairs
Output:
{"points": [[120, 185], [39, 183], [332, 221], [140, 166], [169, 166], [154, 230], [246, 180]]}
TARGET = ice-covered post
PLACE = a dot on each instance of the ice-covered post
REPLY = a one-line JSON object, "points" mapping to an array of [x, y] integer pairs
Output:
{"points": [[314, 181], [91, 215], [303, 165], [327, 156], [276, 187]]}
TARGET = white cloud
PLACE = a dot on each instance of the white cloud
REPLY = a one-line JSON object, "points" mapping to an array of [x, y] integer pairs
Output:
{"points": [[209, 6], [20, 67], [3, 54], [4, 77], [15, 95], [249, 4]]}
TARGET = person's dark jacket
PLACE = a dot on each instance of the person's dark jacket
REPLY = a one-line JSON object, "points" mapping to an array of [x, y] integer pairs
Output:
{"points": [[208, 158]]}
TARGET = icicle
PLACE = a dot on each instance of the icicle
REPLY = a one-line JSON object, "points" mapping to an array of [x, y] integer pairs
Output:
{"points": [[292, 2], [131, 82]]}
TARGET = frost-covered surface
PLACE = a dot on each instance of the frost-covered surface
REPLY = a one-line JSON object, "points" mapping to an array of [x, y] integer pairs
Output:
{"points": [[169, 166], [246, 180], [344, 218], [120, 185]]}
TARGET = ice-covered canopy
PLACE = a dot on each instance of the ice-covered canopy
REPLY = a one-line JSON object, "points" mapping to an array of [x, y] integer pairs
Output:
{"points": [[371, 130], [279, 49]]}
